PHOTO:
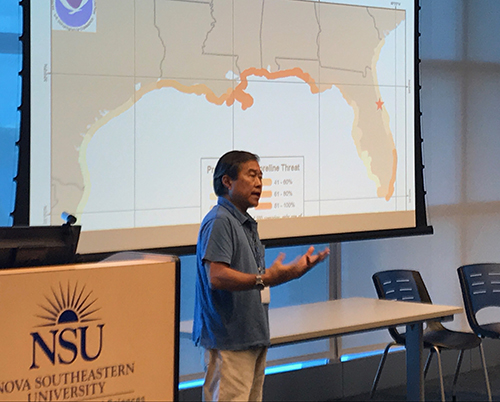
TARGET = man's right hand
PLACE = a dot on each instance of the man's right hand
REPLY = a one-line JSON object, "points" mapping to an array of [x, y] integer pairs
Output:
{"points": [[279, 273]]}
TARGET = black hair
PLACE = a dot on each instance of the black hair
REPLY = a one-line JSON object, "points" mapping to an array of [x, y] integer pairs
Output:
{"points": [[230, 164]]}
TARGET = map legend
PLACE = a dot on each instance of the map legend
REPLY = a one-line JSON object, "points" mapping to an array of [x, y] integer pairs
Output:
{"points": [[282, 188]]}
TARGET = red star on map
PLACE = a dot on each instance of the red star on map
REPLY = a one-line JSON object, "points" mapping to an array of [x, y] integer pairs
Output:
{"points": [[379, 104]]}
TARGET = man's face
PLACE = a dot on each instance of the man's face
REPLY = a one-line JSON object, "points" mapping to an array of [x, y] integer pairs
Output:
{"points": [[244, 192]]}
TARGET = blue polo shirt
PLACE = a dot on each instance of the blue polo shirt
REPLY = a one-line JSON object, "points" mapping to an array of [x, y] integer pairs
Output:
{"points": [[222, 319]]}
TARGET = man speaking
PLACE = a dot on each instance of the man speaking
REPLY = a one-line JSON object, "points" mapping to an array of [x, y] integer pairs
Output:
{"points": [[232, 286]]}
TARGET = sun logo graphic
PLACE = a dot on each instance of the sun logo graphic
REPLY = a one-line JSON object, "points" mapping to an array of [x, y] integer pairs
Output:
{"points": [[70, 328]]}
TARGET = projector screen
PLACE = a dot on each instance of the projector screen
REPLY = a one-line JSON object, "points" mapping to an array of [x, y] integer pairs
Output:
{"points": [[133, 102]]}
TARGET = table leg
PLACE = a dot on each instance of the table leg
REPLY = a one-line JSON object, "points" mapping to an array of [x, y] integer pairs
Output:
{"points": [[414, 363]]}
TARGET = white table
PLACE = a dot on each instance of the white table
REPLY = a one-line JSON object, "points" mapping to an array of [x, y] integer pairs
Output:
{"points": [[308, 322]]}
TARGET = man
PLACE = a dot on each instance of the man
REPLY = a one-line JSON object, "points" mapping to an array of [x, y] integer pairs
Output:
{"points": [[231, 307]]}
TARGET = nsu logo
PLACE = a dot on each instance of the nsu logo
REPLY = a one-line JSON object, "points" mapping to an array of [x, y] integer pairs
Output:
{"points": [[70, 328]]}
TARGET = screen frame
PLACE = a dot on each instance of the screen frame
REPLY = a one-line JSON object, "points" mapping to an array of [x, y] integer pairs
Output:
{"points": [[421, 227]]}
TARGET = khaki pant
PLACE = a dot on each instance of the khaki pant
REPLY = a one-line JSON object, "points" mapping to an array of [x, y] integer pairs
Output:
{"points": [[234, 375]]}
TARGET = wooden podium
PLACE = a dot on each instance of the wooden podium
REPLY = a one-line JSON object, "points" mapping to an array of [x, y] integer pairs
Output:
{"points": [[103, 331]]}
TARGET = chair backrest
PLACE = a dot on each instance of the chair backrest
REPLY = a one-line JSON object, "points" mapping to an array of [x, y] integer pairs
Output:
{"points": [[402, 285], [480, 284]]}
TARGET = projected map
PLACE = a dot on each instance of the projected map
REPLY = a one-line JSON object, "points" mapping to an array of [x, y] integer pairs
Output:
{"points": [[146, 95]]}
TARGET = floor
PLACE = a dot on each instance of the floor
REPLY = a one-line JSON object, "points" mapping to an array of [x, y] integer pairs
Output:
{"points": [[470, 387]]}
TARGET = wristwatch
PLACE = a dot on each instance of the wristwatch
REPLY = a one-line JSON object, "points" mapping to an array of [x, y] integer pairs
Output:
{"points": [[259, 283]]}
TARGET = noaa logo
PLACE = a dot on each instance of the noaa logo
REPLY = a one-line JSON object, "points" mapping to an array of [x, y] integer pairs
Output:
{"points": [[74, 14], [69, 318]]}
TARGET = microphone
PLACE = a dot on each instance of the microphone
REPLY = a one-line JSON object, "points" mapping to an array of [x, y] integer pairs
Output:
{"points": [[68, 218]]}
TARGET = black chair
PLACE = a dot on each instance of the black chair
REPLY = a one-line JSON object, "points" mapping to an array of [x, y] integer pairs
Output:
{"points": [[480, 285], [406, 285]]}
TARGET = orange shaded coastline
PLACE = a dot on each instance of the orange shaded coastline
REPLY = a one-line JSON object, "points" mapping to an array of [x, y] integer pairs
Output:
{"points": [[238, 93]]}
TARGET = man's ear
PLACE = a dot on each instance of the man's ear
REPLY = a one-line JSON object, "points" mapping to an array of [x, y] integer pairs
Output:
{"points": [[227, 181]]}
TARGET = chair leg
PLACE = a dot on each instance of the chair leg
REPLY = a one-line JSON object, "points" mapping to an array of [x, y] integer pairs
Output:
{"points": [[457, 372], [380, 367], [440, 369], [428, 362], [483, 361]]}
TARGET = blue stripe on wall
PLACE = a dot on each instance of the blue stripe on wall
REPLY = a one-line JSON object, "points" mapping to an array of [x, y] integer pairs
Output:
{"points": [[10, 43], [11, 25], [8, 170], [10, 85]]}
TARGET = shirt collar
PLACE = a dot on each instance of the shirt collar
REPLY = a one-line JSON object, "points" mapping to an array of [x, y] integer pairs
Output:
{"points": [[241, 217]]}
